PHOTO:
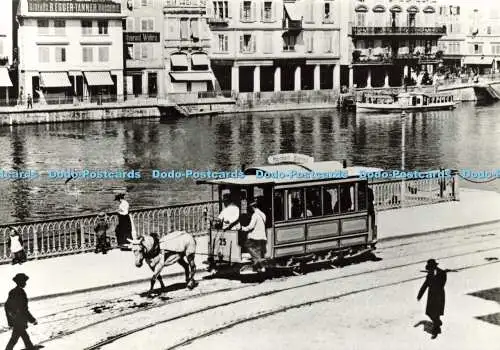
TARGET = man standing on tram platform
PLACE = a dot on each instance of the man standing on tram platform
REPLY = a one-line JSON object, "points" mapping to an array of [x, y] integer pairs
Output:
{"points": [[230, 215], [257, 237]]}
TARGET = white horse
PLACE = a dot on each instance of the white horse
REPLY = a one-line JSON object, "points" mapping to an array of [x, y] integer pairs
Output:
{"points": [[176, 247]]}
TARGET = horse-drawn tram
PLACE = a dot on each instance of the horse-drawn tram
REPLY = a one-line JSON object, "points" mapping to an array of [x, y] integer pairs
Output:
{"points": [[315, 213]]}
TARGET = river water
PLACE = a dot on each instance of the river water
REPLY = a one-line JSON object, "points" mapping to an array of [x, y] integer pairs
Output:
{"points": [[466, 138]]}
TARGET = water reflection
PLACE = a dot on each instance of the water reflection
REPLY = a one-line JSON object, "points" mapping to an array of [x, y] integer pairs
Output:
{"points": [[464, 138]]}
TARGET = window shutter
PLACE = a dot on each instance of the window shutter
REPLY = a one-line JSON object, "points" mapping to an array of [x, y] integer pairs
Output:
{"points": [[262, 13], [241, 10], [226, 43], [253, 43], [242, 43], [274, 10], [254, 10], [229, 8], [313, 12]]}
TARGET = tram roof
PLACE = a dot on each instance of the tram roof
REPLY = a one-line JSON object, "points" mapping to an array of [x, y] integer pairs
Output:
{"points": [[307, 173]]}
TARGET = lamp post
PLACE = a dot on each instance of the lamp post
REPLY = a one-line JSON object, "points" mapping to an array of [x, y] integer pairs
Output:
{"points": [[403, 132]]}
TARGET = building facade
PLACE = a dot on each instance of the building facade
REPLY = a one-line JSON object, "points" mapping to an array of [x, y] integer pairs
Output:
{"points": [[6, 52], [275, 45], [70, 49], [144, 55], [393, 41], [186, 47]]}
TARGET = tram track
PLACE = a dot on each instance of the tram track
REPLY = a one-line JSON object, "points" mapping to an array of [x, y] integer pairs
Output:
{"points": [[202, 310], [415, 241], [477, 235], [262, 315]]}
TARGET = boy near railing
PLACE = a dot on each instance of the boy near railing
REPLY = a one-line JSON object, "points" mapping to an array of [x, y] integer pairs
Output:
{"points": [[101, 230]]}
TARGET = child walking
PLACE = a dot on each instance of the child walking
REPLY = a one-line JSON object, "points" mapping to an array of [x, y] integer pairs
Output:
{"points": [[15, 244]]}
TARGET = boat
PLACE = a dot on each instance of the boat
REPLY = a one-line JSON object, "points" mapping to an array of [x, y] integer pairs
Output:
{"points": [[408, 101]]}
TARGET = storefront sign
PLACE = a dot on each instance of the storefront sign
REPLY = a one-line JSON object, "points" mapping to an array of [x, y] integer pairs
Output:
{"points": [[74, 6], [141, 37]]}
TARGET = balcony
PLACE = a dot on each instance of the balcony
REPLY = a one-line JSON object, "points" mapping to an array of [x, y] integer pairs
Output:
{"points": [[218, 22], [292, 25], [379, 56], [288, 48], [399, 31]]}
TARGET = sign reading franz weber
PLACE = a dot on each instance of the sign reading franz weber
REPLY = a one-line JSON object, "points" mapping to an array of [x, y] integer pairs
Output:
{"points": [[151, 37], [289, 158], [74, 6]]}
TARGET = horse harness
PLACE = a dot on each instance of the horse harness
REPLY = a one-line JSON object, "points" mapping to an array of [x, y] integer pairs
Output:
{"points": [[155, 250]]}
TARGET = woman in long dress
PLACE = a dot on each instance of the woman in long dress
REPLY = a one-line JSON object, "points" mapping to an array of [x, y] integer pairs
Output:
{"points": [[125, 225]]}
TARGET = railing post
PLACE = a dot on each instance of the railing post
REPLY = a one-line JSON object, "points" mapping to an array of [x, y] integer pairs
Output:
{"points": [[82, 237], [35, 244]]}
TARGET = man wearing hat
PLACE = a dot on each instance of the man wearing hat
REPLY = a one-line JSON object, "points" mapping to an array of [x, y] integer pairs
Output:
{"points": [[101, 230], [18, 315], [435, 281], [257, 238]]}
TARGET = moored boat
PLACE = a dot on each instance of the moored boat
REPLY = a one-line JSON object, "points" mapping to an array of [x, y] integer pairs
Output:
{"points": [[405, 102]]}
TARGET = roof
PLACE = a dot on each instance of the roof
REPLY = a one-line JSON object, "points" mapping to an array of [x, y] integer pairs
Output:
{"points": [[293, 173]]}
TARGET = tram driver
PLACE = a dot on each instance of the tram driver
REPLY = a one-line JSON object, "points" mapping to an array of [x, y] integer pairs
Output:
{"points": [[230, 215]]}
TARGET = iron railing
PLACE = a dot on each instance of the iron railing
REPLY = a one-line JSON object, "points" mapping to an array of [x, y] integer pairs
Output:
{"points": [[76, 234], [398, 30]]}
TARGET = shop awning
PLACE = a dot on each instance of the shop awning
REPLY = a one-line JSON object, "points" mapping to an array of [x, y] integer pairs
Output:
{"points": [[200, 60], [191, 76], [98, 78], [54, 79], [179, 60], [472, 60], [5, 78], [292, 12]]}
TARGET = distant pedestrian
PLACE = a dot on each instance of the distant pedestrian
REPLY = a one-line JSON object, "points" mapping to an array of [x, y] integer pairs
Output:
{"points": [[101, 229], [18, 315], [15, 243], [30, 101], [435, 281], [125, 228]]}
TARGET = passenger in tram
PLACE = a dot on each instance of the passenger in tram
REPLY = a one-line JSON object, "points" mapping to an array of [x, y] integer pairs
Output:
{"points": [[257, 238], [346, 202], [297, 209], [230, 215], [371, 208], [327, 201]]}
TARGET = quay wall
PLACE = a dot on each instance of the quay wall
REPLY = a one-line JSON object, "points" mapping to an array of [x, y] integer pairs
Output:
{"points": [[76, 114]]}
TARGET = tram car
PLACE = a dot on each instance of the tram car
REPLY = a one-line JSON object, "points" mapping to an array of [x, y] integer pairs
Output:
{"points": [[316, 212]]}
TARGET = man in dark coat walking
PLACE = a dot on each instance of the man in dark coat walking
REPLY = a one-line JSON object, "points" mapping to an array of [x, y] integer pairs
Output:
{"points": [[435, 281], [18, 315]]}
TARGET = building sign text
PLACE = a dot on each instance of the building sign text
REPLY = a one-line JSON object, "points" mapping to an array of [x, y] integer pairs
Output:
{"points": [[74, 6], [141, 37]]}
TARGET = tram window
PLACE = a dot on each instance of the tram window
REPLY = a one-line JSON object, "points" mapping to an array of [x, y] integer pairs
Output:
{"points": [[279, 205], [313, 201], [295, 204], [330, 199], [346, 198], [263, 198], [362, 196]]}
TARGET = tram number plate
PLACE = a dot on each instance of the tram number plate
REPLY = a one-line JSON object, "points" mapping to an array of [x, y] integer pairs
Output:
{"points": [[222, 241]]}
